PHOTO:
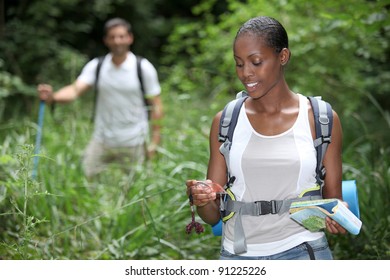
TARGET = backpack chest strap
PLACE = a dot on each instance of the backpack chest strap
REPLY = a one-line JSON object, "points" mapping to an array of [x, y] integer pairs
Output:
{"points": [[257, 208], [264, 207]]}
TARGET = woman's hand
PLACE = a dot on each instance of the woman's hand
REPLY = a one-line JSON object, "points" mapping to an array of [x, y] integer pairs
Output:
{"points": [[333, 227], [201, 192]]}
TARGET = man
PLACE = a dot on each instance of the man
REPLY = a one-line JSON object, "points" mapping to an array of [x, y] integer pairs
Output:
{"points": [[121, 128]]}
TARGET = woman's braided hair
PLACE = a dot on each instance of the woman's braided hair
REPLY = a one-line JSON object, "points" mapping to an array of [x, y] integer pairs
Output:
{"points": [[267, 28]]}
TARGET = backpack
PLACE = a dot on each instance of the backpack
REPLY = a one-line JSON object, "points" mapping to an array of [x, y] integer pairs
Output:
{"points": [[139, 73], [323, 118]]}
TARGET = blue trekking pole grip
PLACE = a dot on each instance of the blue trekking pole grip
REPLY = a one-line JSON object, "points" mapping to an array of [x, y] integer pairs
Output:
{"points": [[38, 137]]}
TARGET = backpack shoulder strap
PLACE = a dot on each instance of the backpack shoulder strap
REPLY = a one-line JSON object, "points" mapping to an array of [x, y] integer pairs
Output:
{"points": [[229, 117], [141, 81], [139, 73], [323, 119], [98, 67], [227, 125]]}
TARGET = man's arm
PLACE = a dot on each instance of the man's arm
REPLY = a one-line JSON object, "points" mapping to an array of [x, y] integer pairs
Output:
{"points": [[63, 95]]}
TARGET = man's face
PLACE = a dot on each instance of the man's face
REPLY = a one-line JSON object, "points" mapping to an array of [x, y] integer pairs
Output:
{"points": [[118, 40]]}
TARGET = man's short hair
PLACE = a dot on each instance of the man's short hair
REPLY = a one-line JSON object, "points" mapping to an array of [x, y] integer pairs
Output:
{"points": [[114, 23]]}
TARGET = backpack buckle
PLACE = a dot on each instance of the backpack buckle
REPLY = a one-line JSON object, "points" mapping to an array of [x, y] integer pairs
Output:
{"points": [[222, 138], [322, 173], [326, 139], [264, 207]]}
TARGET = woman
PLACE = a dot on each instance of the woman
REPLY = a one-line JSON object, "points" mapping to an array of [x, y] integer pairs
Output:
{"points": [[273, 156]]}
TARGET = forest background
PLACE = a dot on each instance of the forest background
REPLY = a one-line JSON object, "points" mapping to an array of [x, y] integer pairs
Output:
{"points": [[340, 50]]}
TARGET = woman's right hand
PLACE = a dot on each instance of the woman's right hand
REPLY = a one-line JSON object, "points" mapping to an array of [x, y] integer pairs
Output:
{"points": [[202, 192], [45, 92]]}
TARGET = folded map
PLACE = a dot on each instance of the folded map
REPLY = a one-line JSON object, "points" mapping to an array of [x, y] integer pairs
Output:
{"points": [[311, 214]]}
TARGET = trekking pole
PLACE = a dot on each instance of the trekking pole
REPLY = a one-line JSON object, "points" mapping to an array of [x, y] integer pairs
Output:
{"points": [[38, 138]]}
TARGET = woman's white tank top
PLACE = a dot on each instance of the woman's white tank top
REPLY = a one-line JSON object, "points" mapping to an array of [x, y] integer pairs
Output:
{"points": [[271, 167]]}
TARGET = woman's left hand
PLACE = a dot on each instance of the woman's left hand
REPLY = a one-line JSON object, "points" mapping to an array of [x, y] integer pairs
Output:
{"points": [[334, 227]]}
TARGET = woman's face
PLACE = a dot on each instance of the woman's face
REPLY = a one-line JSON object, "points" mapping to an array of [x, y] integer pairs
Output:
{"points": [[258, 66]]}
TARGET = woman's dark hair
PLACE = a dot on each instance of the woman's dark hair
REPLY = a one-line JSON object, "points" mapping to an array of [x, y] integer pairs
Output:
{"points": [[114, 23], [269, 29]]}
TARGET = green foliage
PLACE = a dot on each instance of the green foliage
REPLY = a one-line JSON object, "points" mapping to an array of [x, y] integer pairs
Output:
{"points": [[10, 84], [49, 41], [335, 45], [369, 165], [141, 215], [18, 192], [207, 67]]}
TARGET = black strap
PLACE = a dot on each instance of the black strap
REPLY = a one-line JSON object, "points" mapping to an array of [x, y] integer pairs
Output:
{"points": [[231, 121], [234, 119], [310, 251], [315, 108], [320, 171], [139, 73], [99, 65], [330, 116]]}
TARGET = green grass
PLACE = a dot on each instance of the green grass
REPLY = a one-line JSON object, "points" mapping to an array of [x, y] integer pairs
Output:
{"points": [[143, 215], [122, 216]]}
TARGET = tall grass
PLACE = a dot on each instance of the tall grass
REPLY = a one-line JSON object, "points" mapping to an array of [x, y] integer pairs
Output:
{"points": [[143, 215], [367, 160]]}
